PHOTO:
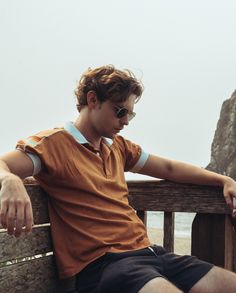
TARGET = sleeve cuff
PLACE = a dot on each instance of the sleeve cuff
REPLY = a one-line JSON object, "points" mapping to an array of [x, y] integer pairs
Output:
{"points": [[35, 160], [141, 162]]}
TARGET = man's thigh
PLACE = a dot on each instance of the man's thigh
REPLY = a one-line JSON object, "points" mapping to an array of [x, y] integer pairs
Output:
{"points": [[217, 280], [159, 285]]}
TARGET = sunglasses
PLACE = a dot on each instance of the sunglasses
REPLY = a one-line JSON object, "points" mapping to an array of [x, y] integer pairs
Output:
{"points": [[122, 112]]}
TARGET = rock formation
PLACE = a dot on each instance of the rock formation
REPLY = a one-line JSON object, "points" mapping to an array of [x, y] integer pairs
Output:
{"points": [[223, 149]]}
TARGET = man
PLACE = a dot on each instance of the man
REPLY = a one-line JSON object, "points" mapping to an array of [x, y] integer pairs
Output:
{"points": [[98, 238]]}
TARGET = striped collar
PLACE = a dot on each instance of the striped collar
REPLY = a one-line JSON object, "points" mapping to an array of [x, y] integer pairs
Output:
{"points": [[78, 136]]}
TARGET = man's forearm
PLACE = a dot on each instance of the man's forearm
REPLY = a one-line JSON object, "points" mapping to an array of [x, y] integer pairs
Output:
{"points": [[186, 173], [4, 171], [181, 172]]}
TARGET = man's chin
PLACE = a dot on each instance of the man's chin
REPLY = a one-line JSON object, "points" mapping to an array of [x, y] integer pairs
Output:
{"points": [[111, 136]]}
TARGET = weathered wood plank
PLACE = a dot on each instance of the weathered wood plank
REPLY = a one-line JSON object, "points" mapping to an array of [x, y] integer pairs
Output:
{"points": [[175, 197], [169, 226], [38, 242], [228, 251], [234, 252], [39, 200], [142, 216], [38, 275], [211, 235], [156, 195]]}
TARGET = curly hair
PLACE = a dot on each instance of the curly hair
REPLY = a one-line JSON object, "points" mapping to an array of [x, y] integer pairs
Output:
{"points": [[108, 83]]}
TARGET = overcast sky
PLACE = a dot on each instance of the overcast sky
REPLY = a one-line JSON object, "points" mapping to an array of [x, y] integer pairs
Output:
{"points": [[184, 51]]}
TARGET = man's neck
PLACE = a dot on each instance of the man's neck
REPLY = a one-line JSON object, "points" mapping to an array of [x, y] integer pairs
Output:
{"points": [[84, 127]]}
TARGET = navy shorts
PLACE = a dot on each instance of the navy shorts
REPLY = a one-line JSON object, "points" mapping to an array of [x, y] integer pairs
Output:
{"points": [[130, 271]]}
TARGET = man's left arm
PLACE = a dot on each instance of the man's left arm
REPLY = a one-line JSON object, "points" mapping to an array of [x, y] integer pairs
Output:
{"points": [[176, 171]]}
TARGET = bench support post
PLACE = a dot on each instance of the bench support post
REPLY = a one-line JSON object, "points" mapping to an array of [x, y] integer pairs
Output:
{"points": [[212, 239]]}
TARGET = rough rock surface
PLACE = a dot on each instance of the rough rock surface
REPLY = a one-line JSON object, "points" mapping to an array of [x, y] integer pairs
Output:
{"points": [[223, 149]]}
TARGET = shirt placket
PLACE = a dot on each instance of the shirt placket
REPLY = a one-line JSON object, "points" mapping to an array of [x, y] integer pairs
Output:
{"points": [[105, 153]]}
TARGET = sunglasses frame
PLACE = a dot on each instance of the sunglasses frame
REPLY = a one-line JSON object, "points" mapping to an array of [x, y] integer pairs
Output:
{"points": [[122, 112]]}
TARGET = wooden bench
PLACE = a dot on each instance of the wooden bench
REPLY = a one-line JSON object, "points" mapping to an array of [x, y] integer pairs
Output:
{"points": [[27, 263]]}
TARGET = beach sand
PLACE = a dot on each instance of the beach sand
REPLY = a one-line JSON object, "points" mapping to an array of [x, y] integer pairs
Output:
{"points": [[182, 245]]}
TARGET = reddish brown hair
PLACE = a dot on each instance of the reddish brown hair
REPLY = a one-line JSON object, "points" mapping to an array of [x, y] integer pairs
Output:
{"points": [[108, 83]]}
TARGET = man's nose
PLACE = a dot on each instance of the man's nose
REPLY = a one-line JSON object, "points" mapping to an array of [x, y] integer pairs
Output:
{"points": [[125, 120]]}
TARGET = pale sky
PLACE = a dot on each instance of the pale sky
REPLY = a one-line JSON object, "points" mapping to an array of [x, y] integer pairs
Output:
{"points": [[183, 51]]}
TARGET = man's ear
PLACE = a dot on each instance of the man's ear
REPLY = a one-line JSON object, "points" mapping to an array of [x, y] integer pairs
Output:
{"points": [[91, 99]]}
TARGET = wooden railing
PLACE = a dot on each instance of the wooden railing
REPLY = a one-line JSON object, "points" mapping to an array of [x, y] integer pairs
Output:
{"points": [[213, 234], [27, 263]]}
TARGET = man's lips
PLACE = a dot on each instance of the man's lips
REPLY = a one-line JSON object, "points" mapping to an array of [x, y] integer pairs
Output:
{"points": [[118, 129]]}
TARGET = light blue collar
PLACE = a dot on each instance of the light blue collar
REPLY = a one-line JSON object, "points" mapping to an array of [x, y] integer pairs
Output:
{"points": [[78, 136]]}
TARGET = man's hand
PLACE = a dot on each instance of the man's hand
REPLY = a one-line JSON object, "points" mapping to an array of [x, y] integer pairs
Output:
{"points": [[230, 194], [15, 206]]}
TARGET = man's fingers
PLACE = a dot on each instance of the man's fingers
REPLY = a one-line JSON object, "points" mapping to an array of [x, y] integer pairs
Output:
{"points": [[3, 214], [234, 203], [234, 208], [15, 207], [14, 215], [11, 216], [229, 201], [28, 218], [19, 220]]}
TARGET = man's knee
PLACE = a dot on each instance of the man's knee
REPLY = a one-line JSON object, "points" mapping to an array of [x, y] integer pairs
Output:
{"points": [[216, 280], [157, 285]]}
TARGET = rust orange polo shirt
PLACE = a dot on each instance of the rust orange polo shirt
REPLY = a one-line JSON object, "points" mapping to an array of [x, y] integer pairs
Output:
{"points": [[88, 196]]}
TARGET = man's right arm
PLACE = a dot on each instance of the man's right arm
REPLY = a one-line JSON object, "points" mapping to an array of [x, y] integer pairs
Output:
{"points": [[15, 204]]}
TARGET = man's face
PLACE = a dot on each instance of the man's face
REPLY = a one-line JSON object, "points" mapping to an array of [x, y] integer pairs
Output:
{"points": [[110, 118]]}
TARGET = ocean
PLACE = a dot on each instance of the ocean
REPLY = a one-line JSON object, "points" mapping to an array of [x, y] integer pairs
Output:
{"points": [[183, 222]]}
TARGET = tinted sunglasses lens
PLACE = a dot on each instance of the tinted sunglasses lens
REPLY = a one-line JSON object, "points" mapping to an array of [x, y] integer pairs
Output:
{"points": [[121, 113], [131, 115]]}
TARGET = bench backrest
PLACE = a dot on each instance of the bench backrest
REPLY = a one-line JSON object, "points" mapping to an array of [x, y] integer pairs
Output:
{"points": [[27, 263]]}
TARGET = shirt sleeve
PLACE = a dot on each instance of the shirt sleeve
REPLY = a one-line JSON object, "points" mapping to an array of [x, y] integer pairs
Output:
{"points": [[36, 162], [134, 157], [29, 147], [140, 163]]}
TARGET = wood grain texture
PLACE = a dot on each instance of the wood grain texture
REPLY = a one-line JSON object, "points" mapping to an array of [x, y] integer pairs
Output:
{"points": [[142, 216], [38, 242], [155, 195], [175, 197], [228, 251], [39, 200], [212, 239], [169, 227], [38, 275]]}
